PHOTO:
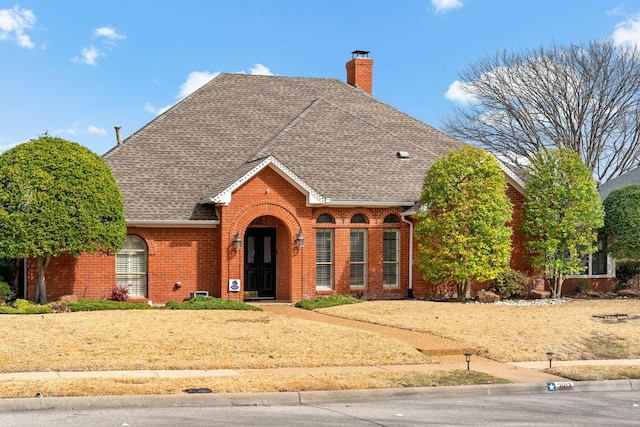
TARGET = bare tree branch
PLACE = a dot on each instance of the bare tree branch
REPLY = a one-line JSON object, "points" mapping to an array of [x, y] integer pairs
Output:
{"points": [[582, 97]]}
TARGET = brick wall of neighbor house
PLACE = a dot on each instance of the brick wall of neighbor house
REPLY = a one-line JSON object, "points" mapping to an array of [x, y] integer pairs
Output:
{"points": [[182, 255], [519, 255]]}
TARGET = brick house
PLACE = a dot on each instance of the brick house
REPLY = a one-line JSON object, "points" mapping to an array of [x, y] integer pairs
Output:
{"points": [[270, 187]]}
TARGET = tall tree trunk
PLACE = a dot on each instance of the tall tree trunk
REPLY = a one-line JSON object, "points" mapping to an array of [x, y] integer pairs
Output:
{"points": [[556, 289], [463, 289], [40, 294]]}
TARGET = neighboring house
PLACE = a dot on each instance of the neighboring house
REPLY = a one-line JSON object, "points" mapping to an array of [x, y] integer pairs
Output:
{"points": [[627, 178], [271, 187]]}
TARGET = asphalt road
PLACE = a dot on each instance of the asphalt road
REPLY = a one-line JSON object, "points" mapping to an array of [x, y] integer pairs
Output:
{"points": [[364, 408]]}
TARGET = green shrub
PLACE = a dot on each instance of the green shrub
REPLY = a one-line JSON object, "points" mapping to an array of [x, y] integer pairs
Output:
{"points": [[5, 292], [21, 306], [326, 301], [582, 285], [105, 304], [510, 283], [7, 270], [625, 272], [210, 303]]}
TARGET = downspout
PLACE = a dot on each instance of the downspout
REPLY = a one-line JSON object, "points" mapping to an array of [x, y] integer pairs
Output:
{"points": [[403, 214]]}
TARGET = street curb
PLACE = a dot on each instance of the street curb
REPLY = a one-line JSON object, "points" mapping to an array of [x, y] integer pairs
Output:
{"points": [[311, 398]]}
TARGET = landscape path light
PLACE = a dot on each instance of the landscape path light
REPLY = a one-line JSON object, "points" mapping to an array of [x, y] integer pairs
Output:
{"points": [[550, 357]]}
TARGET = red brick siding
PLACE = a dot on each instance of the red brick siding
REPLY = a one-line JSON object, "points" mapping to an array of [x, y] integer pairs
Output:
{"points": [[175, 255], [204, 259]]}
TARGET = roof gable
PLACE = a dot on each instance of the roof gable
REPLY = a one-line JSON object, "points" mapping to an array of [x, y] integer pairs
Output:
{"points": [[251, 169]]}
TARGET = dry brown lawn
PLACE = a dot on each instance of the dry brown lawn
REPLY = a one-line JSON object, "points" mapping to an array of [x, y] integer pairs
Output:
{"points": [[243, 384], [185, 339], [596, 373], [515, 333]]}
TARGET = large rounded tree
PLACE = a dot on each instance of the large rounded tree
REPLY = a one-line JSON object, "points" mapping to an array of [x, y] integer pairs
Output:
{"points": [[57, 197], [562, 214], [462, 230]]}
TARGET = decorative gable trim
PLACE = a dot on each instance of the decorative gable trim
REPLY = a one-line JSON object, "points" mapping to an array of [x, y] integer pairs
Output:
{"points": [[224, 197], [513, 179]]}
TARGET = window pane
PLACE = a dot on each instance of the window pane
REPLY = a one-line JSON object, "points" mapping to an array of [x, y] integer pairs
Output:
{"points": [[390, 258], [325, 219], [390, 274], [251, 250], [131, 266], [323, 245], [324, 258], [359, 219], [358, 257], [391, 219], [357, 245], [390, 245], [323, 276], [267, 249]]}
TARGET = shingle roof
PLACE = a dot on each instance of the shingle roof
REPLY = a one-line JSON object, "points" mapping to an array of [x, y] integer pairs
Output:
{"points": [[337, 138], [627, 178]]}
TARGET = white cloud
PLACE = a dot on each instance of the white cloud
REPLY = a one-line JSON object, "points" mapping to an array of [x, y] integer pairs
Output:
{"points": [[260, 70], [628, 32], [195, 80], [14, 22], [444, 6], [108, 33], [96, 130], [89, 55], [149, 107], [458, 92]]}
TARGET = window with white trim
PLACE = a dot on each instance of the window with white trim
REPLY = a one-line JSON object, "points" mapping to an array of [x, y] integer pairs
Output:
{"points": [[131, 266], [598, 263], [391, 257]]}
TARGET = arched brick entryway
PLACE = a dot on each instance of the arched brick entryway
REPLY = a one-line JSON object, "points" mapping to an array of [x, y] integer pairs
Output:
{"points": [[253, 225]]}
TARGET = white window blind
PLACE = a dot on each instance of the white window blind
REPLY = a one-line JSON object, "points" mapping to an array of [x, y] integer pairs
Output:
{"points": [[131, 266]]}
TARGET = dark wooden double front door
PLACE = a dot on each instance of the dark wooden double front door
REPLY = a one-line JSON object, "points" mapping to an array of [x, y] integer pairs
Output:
{"points": [[260, 263]]}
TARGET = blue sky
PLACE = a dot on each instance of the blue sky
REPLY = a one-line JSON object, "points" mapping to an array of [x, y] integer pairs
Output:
{"points": [[77, 68]]}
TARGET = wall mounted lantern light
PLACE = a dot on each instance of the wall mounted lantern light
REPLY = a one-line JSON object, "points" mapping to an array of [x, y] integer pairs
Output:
{"points": [[299, 240], [237, 242]]}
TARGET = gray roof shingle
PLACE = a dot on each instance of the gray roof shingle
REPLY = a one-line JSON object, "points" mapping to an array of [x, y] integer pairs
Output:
{"points": [[627, 178], [337, 138]]}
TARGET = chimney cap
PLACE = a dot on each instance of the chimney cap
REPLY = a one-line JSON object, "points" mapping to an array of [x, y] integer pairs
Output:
{"points": [[360, 54]]}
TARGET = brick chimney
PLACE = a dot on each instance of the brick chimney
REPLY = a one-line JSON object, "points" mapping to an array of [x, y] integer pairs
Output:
{"points": [[359, 70]]}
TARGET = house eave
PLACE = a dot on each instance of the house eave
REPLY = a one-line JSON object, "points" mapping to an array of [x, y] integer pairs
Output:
{"points": [[173, 223], [362, 203]]}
